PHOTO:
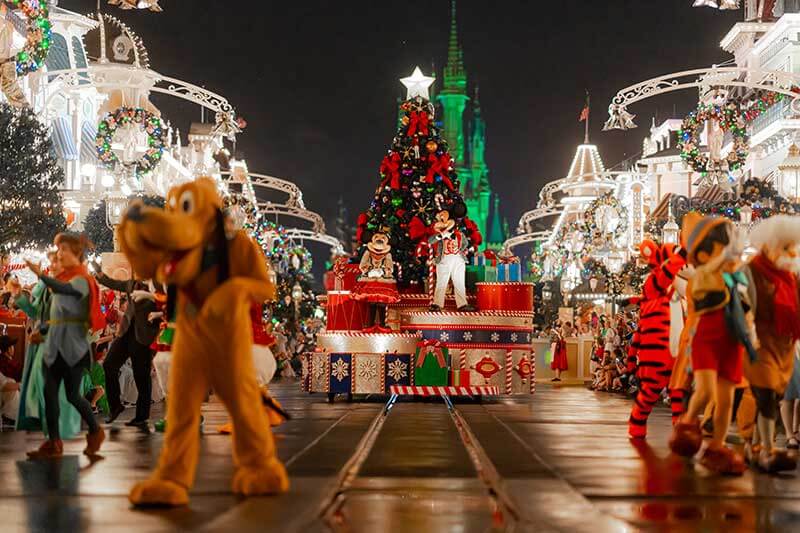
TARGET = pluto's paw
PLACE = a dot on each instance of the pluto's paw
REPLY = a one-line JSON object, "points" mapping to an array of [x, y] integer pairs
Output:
{"points": [[158, 492], [270, 479]]}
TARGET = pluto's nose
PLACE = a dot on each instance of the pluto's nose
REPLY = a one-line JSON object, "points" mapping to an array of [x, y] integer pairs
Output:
{"points": [[134, 213]]}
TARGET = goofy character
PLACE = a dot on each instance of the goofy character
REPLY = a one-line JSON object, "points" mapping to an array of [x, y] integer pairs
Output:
{"points": [[650, 345]]}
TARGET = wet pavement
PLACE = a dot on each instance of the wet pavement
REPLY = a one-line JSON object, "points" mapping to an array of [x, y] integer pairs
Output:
{"points": [[559, 461]]}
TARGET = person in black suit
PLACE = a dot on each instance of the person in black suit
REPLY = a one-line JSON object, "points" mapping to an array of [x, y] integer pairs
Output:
{"points": [[135, 334]]}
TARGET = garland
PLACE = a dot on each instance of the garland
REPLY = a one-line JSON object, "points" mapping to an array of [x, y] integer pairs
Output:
{"points": [[38, 38], [731, 119], [147, 121], [591, 226]]}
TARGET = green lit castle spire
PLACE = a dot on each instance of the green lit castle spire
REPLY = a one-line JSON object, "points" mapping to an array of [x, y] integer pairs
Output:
{"points": [[467, 150]]}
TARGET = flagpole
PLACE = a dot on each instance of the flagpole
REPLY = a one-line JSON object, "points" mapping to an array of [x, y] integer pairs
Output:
{"points": [[586, 136]]}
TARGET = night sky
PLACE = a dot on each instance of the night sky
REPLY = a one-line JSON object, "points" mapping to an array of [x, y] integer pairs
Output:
{"points": [[317, 81]]}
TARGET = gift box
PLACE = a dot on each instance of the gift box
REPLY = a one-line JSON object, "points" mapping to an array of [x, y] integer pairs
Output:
{"points": [[503, 296], [459, 378], [509, 272], [345, 313], [344, 275], [485, 258], [431, 364], [477, 274]]}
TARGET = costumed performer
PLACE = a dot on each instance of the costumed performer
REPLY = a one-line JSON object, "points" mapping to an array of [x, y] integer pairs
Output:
{"points": [[31, 415], [651, 344], [719, 336], [74, 312], [559, 362], [449, 246], [216, 279], [773, 294], [376, 284]]}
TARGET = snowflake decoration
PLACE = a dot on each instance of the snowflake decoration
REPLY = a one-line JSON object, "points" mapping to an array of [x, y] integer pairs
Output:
{"points": [[444, 336], [467, 336], [368, 369], [339, 369], [513, 337], [397, 370], [495, 337], [528, 337], [319, 371], [419, 333]]}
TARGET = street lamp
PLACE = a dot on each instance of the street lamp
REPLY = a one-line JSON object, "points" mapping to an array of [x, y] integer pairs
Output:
{"points": [[115, 208], [615, 261], [746, 215], [789, 174], [670, 232]]}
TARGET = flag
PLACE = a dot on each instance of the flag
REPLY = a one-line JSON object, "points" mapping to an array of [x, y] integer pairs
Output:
{"points": [[585, 112]]}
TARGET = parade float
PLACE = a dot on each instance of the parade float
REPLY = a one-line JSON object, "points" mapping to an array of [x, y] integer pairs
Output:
{"points": [[419, 311]]}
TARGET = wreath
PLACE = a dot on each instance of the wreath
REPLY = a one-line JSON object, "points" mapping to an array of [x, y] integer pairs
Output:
{"points": [[148, 122], [303, 255], [593, 227], [730, 119], [272, 240], [536, 269], [38, 35]]}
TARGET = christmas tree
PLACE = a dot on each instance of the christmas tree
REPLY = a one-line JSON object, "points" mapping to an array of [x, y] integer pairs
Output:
{"points": [[296, 302], [417, 182], [31, 212]]}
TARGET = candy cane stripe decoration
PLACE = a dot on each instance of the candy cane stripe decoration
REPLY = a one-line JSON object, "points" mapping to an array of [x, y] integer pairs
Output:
{"points": [[462, 359], [509, 369], [533, 371], [431, 278]]}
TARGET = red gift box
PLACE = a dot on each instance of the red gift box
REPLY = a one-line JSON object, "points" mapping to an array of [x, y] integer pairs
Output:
{"points": [[459, 378], [345, 313], [505, 296]]}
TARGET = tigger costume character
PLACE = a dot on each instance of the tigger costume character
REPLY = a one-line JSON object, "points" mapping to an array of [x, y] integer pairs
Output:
{"points": [[650, 344]]}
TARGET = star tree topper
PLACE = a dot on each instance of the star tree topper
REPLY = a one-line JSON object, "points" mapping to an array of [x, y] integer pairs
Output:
{"points": [[418, 84]]}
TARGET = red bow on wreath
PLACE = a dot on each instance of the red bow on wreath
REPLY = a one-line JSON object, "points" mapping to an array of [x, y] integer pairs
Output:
{"points": [[390, 167], [430, 346], [418, 123], [439, 165]]}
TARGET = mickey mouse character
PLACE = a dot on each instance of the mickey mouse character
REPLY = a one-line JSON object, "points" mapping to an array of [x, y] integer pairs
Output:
{"points": [[448, 248]]}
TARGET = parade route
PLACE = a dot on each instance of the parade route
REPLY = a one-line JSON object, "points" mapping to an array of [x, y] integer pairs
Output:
{"points": [[560, 461]]}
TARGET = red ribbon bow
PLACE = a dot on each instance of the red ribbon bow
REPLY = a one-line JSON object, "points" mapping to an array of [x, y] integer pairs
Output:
{"points": [[430, 346], [390, 167], [418, 123], [439, 165], [490, 256]]}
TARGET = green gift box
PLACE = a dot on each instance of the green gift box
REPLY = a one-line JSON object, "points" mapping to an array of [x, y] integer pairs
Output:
{"points": [[480, 274], [431, 364]]}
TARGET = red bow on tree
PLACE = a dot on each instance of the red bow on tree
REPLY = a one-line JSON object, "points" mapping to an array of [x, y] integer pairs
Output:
{"points": [[390, 168], [474, 233], [418, 123], [361, 224], [439, 165], [417, 229]]}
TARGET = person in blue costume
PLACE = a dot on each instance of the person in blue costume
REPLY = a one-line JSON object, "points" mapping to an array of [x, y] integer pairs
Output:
{"points": [[31, 415]]}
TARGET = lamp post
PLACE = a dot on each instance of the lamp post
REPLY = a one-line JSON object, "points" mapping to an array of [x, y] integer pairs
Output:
{"points": [[746, 215], [115, 208], [670, 232], [297, 296], [789, 174]]}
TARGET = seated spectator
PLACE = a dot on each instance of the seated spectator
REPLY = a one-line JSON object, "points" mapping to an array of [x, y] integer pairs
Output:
{"points": [[10, 367], [9, 385]]}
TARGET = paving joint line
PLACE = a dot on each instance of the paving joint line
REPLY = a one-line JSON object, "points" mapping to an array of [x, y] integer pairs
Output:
{"points": [[484, 466], [316, 441]]}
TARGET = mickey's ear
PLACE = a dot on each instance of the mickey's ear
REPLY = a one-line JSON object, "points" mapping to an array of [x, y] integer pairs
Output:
{"points": [[459, 210]]}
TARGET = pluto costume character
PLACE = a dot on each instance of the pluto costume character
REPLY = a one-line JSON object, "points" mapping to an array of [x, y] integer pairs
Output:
{"points": [[216, 279]]}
